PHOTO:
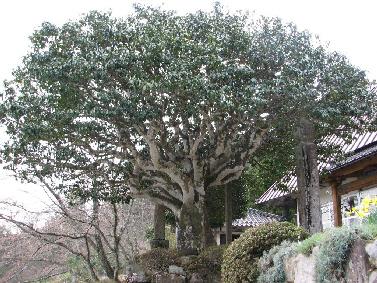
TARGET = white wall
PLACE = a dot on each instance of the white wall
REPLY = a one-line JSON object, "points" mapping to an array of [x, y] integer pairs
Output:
{"points": [[327, 205]]}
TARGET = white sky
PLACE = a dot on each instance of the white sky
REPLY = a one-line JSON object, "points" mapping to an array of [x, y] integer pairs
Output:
{"points": [[349, 27]]}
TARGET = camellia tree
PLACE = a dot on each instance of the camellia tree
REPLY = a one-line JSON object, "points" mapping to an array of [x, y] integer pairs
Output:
{"points": [[169, 106]]}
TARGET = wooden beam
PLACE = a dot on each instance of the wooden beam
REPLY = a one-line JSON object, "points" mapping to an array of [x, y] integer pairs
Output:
{"points": [[337, 209], [357, 185], [357, 166]]}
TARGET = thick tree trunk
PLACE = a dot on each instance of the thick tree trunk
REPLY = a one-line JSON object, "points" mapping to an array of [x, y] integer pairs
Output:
{"points": [[308, 179], [190, 226]]}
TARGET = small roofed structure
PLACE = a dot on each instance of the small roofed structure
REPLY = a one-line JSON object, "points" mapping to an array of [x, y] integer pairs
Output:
{"points": [[253, 218]]}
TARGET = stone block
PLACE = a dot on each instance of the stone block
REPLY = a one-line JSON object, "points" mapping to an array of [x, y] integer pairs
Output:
{"points": [[169, 278], [173, 269], [373, 277], [357, 265], [371, 250], [300, 269], [196, 278]]}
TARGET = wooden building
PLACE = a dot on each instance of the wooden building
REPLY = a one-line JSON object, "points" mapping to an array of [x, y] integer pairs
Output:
{"points": [[343, 185]]}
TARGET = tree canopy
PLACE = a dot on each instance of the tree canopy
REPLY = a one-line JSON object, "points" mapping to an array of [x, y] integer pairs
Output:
{"points": [[168, 106]]}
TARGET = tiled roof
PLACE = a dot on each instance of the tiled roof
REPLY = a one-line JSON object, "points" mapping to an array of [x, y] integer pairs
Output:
{"points": [[360, 153], [254, 218], [362, 145]]}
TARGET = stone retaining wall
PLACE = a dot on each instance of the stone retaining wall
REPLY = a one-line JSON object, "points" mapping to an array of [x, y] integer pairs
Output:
{"points": [[361, 266]]}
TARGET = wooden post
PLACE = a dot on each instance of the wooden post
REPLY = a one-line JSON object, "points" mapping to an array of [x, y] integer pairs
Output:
{"points": [[228, 214], [159, 227], [309, 207], [336, 202]]}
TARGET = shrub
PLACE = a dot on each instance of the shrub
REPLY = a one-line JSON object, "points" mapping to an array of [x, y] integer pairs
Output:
{"points": [[149, 233], [368, 231], [333, 254], [271, 264], [208, 262], [306, 246], [240, 258], [372, 218], [158, 260]]}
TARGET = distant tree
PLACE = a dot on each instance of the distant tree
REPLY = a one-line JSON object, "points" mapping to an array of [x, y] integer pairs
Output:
{"points": [[93, 240], [215, 203], [169, 106]]}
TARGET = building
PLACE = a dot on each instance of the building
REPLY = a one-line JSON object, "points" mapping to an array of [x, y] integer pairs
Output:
{"points": [[343, 185], [253, 218]]}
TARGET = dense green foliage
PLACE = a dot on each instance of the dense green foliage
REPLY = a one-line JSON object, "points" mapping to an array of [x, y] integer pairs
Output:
{"points": [[240, 259], [100, 88], [333, 254], [372, 218], [268, 165], [169, 106], [216, 202], [306, 247], [271, 264], [208, 263], [368, 231], [368, 227], [158, 260]]}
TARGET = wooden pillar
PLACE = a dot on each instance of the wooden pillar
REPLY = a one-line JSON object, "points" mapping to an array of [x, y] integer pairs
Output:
{"points": [[309, 207], [336, 202], [228, 214]]}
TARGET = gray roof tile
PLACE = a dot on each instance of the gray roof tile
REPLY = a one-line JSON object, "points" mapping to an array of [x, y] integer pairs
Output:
{"points": [[255, 217]]}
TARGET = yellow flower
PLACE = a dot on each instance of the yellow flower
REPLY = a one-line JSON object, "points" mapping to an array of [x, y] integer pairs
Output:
{"points": [[360, 214]]}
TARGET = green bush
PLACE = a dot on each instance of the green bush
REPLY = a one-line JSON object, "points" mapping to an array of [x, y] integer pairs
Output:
{"points": [[368, 231], [207, 263], [306, 247], [372, 218], [271, 264], [333, 254], [240, 258], [149, 233], [158, 260]]}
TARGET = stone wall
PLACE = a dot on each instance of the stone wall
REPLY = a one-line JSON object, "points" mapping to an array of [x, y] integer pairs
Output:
{"points": [[361, 266]]}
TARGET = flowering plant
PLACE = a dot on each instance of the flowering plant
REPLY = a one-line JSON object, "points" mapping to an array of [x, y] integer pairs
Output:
{"points": [[366, 206]]}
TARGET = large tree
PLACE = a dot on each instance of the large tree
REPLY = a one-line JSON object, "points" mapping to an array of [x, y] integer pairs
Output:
{"points": [[169, 106]]}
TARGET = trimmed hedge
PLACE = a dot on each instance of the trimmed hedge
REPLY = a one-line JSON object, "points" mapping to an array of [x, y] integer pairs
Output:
{"points": [[241, 257], [207, 263], [158, 260]]}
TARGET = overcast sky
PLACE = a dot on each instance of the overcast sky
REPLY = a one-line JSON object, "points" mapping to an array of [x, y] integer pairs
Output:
{"points": [[348, 26]]}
